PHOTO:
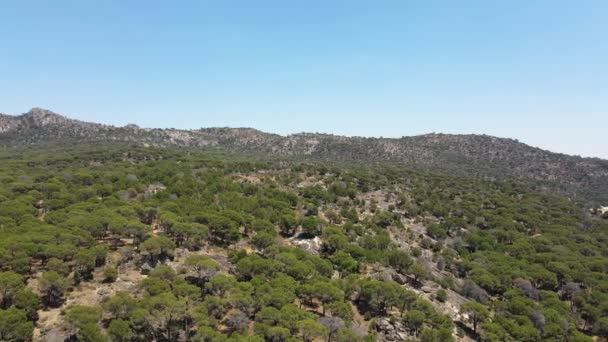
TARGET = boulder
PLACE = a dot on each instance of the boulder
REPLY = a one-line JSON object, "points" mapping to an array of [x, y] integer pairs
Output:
{"points": [[391, 331], [312, 246]]}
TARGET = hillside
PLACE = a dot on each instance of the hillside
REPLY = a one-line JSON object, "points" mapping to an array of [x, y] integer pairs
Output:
{"points": [[481, 156], [126, 243]]}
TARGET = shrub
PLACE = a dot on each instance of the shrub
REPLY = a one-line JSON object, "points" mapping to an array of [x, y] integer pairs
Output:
{"points": [[441, 295]]}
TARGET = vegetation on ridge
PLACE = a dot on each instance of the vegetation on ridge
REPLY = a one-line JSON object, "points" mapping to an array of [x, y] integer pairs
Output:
{"points": [[481, 156]]}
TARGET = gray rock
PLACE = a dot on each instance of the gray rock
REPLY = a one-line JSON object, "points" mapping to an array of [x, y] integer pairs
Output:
{"points": [[400, 278], [310, 245], [427, 289], [54, 336], [391, 332], [145, 268]]}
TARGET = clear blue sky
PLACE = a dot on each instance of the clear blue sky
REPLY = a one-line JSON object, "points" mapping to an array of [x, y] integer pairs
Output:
{"points": [[532, 70]]}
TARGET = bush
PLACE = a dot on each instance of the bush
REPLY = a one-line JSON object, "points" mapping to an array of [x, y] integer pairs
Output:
{"points": [[416, 252], [441, 295], [110, 274]]}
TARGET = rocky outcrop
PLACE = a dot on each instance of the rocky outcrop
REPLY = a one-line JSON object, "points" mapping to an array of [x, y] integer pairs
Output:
{"points": [[310, 245], [391, 331], [388, 274]]}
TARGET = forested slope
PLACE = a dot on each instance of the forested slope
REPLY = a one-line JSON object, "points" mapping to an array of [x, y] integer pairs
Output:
{"points": [[128, 243], [481, 156]]}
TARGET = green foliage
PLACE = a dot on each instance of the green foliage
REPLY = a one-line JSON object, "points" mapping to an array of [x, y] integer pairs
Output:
{"points": [[91, 333], [10, 284], [157, 248], [310, 330], [119, 331], [120, 306], [80, 316], [414, 319], [477, 313], [441, 295], [110, 274], [216, 234], [344, 263], [26, 300], [202, 268], [58, 266], [52, 285], [14, 325], [312, 226], [223, 226]]}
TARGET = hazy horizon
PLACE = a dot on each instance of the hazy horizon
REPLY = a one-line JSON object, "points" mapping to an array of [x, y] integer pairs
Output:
{"points": [[531, 71]]}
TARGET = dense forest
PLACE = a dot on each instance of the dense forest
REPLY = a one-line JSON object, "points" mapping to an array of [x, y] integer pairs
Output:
{"points": [[129, 243]]}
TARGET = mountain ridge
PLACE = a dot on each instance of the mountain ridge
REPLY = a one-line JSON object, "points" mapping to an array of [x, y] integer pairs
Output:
{"points": [[482, 156], [38, 114]]}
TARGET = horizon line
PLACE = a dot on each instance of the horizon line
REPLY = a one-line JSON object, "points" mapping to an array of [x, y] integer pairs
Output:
{"points": [[69, 117]]}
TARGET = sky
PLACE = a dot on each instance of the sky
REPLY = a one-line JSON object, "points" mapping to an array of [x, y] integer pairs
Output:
{"points": [[533, 70]]}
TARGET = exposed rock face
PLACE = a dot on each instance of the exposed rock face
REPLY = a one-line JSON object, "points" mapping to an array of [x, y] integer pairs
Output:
{"points": [[310, 245], [471, 155], [388, 274], [391, 331], [56, 336]]}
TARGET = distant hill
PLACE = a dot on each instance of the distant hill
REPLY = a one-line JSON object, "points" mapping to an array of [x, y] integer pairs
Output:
{"points": [[467, 155]]}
